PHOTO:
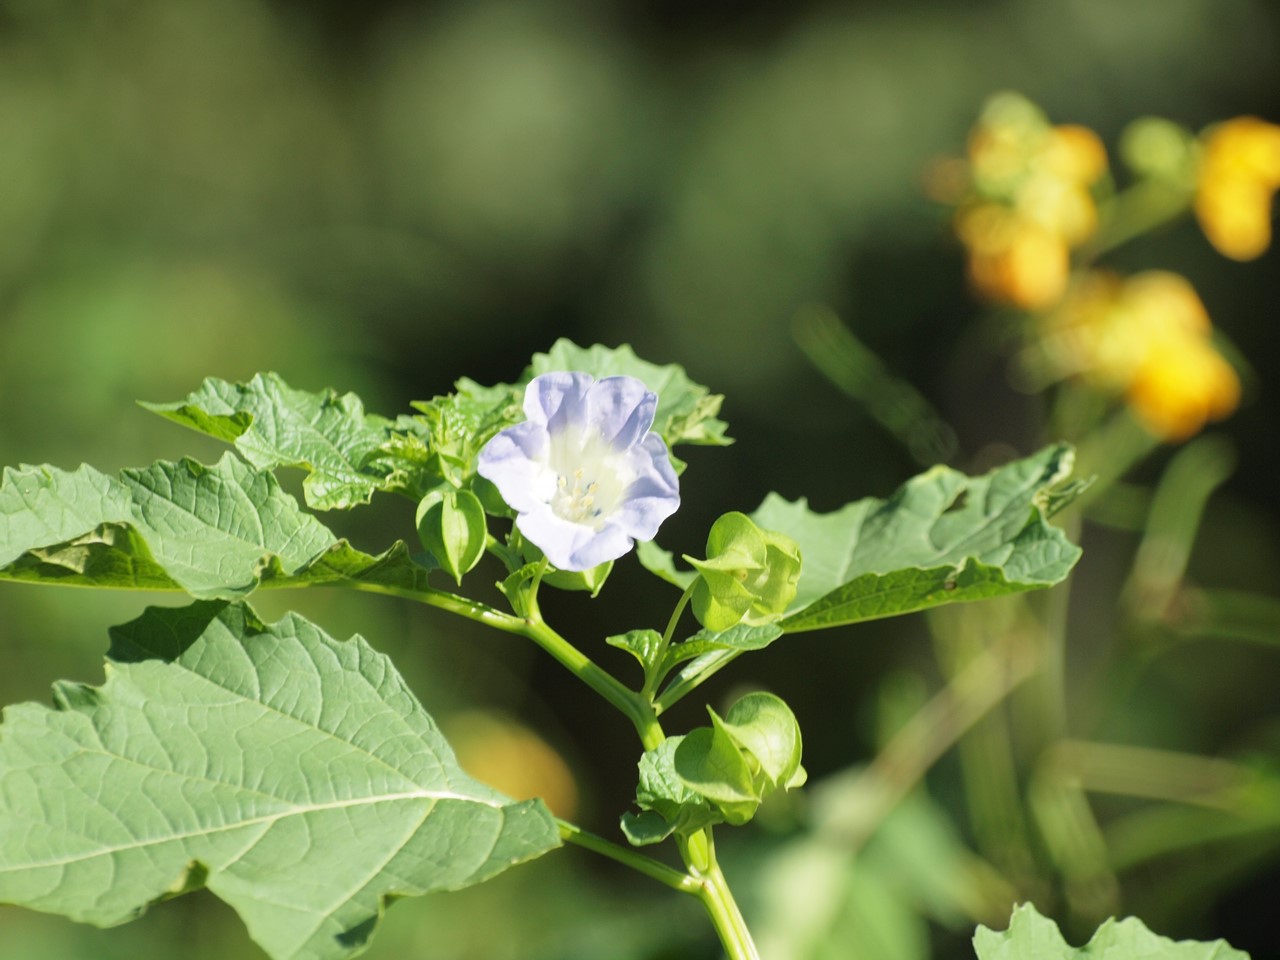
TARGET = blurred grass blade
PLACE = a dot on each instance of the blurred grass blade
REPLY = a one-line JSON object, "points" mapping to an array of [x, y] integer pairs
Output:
{"points": [[892, 402], [1230, 615], [1174, 518]]}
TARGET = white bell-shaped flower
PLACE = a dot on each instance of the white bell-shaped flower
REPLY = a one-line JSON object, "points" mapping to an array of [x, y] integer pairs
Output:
{"points": [[584, 473]]}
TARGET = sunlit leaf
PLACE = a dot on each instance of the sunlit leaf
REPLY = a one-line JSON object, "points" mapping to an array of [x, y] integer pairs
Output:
{"points": [[293, 775], [644, 645], [272, 425], [662, 564], [213, 531], [941, 538], [1033, 937]]}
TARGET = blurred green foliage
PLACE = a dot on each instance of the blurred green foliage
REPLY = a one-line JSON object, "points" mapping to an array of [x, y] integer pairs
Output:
{"points": [[386, 196]]}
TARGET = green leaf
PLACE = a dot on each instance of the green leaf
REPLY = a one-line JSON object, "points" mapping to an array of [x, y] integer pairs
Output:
{"points": [[213, 531], [709, 651], [459, 424], [644, 645], [941, 538], [662, 564], [1032, 937], [292, 774], [739, 638], [686, 410], [273, 425], [666, 802]]}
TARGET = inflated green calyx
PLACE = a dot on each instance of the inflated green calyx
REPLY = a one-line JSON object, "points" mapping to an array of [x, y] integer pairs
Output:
{"points": [[750, 574]]}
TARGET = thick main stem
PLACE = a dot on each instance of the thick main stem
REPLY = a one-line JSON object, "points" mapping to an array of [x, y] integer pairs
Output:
{"points": [[725, 915]]}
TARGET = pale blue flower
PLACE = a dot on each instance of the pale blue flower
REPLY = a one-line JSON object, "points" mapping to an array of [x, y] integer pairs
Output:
{"points": [[584, 474]]}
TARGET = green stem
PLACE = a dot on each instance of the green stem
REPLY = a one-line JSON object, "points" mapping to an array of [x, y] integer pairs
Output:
{"points": [[724, 913], [653, 676], [705, 881], [634, 707], [675, 615], [1133, 212], [497, 548], [532, 597], [674, 879], [681, 688], [463, 607]]}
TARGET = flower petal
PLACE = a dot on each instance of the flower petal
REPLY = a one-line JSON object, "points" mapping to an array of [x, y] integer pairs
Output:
{"points": [[655, 493], [572, 546], [584, 473], [557, 400], [515, 461], [621, 409]]}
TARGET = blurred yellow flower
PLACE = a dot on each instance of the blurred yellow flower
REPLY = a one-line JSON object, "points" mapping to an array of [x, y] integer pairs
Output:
{"points": [[511, 758], [1148, 338], [1238, 178], [1028, 201], [1182, 384], [1012, 259]]}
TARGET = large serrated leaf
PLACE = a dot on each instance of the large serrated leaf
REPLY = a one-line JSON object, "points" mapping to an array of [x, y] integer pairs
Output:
{"points": [[213, 531], [943, 537], [294, 775], [1032, 937], [272, 425], [686, 410]]}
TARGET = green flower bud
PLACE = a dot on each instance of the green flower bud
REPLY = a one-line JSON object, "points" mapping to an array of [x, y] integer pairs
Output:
{"points": [[750, 574], [740, 760], [451, 526]]}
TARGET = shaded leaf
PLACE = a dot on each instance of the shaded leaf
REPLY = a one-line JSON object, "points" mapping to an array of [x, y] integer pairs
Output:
{"points": [[666, 802], [292, 774]]}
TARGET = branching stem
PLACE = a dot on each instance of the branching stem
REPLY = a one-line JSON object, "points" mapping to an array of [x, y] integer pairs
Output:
{"points": [[674, 879], [704, 879], [653, 675]]}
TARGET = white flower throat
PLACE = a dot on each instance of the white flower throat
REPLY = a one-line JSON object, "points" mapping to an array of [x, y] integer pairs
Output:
{"points": [[575, 502], [591, 478]]}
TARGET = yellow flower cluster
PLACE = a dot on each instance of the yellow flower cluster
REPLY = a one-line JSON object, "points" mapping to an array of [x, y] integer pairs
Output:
{"points": [[1238, 178], [1028, 202], [1149, 338]]}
